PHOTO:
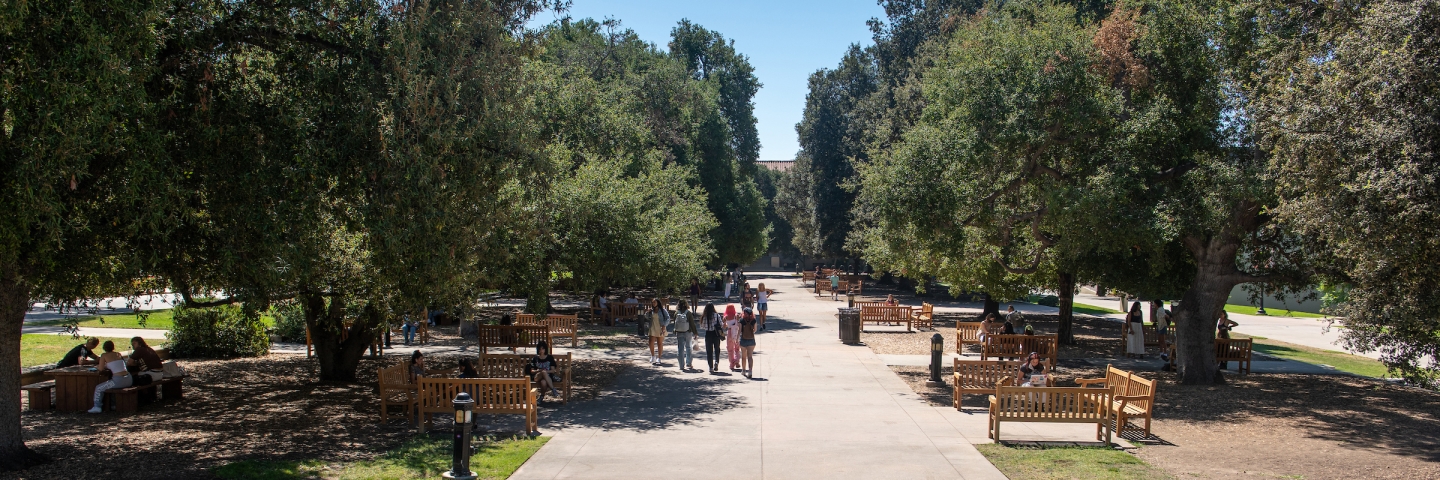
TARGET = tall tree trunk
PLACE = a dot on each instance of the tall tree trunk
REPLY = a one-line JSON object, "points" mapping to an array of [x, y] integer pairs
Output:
{"points": [[14, 301], [1067, 308], [338, 359], [991, 306], [1215, 275]]}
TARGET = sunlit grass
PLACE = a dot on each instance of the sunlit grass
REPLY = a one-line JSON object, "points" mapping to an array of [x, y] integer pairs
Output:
{"points": [[1345, 362], [1068, 463], [163, 319], [423, 456], [1274, 312], [40, 349]]}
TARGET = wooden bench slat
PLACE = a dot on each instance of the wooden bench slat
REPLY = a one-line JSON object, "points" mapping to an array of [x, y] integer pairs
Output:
{"points": [[491, 395]]}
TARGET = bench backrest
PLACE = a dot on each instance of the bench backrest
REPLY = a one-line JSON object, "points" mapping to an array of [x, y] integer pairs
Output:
{"points": [[623, 310], [1232, 349], [1152, 335], [394, 378], [1138, 386], [862, 305], [1021, 345], [885, 313], [560, 325], [518, 336], [505, 365], [969, 332], [503, 395], [1052, 403], [983, 373]]}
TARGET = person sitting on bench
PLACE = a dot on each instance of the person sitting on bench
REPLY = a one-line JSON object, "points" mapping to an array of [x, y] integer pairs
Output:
{"points": [[119, 377], [541, 370], [144, 361], [83, 354], [1030, 370]]}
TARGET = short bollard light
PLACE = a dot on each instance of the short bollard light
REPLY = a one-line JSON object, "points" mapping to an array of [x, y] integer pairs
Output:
{"points": [[937, 348], [460, 461], [850, 293]]}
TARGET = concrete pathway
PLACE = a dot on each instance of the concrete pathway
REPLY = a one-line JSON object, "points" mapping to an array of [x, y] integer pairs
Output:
{"points": [[816, 409]]}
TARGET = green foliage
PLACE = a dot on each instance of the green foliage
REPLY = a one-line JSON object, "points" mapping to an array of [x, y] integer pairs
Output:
{"points": [[290, 322], [217, 332]]}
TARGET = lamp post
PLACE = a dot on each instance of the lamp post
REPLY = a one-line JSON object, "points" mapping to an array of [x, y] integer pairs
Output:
{"points": [[460, 461], [937, 348]]}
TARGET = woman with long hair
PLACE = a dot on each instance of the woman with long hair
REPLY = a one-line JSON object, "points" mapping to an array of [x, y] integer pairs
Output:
{"points": [[659, 318], [747, 344], [1135, 327], [712, 327], [119, 377], [762, 304], [732, 337]]}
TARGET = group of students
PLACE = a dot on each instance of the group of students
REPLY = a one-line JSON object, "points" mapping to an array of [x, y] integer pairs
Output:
{"points": [[1011, 319], [737, 329], [124, 372], [541, 369]]}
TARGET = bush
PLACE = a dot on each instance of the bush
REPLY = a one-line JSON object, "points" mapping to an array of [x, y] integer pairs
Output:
{"points": [[219, 332], [1046, 300], [290, 323]]}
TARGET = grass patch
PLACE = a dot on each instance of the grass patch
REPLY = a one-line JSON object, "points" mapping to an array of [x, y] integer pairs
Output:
{"points": [[423, 456], [1274, 312], [163, 319], [1354, 364], [1067, 463], [40, 349], [1092, 310]]}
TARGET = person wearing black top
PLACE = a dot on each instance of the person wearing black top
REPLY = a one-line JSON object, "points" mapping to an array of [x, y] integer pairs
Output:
{"points": [[467, 369], [83, 354], [542, 370], [1032, 366]]}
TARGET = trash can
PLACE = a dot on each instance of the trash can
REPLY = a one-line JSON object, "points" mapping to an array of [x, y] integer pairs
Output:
{"points": [[850, 326]]}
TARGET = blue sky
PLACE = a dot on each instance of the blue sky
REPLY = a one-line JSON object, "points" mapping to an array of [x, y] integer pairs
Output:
{"points": [[785, 40]]}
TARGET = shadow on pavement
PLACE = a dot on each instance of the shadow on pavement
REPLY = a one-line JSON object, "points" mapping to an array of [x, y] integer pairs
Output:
{"points": [[645, 398]]}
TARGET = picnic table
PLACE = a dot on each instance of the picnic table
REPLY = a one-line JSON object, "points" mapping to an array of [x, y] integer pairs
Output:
{"points": [[75, 387]]}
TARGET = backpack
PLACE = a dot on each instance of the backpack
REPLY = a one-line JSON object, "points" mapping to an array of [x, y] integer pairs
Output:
{"points": [[681, 323]]}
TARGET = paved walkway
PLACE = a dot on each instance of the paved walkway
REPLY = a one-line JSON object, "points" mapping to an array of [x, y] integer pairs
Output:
{"points": [[816, 409]]}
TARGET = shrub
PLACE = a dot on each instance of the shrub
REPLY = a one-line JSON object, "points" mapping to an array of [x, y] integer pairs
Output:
{"points": [[290, 323], [1046, 300], [219, 332]]}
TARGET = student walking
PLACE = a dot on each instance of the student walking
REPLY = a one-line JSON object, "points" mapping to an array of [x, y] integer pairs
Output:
{"points": [[762, 304], [747, 344], [685, 333], [659, 319], [712, 327], [732, 337]]}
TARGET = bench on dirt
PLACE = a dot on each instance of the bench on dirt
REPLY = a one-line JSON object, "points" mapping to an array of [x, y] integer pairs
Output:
{"points": [[128, 399], [968, 333], [503, 396], [925, 317], [560, 325], [396, 390], [881, 314], [1051, 405], [1019, 346], [1134, 396], [979, 377], [823, 286], [511, 336], [513, 366], [621, 311], [1234, 350], [38, 395]]}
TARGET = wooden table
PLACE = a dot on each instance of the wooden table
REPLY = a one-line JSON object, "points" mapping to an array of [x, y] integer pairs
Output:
{"points": [[75, 387]]}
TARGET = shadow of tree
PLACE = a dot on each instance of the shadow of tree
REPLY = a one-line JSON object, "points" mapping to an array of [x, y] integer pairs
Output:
{"points": [[648, 399]]}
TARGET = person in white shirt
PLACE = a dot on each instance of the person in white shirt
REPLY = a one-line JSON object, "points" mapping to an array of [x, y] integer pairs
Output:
{"points": [[762, 304]]}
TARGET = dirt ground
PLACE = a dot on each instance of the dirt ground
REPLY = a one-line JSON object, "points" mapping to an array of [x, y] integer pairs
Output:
{"points": [[270, 407]]}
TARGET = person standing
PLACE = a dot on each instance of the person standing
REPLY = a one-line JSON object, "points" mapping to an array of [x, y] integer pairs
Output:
{"points": [[695, 293], [119, 376], [729, 280], [747, 299], [834, 285], [1162, 329], [82, 354], [762, 304], [1135, 329], [732, 337], [713, 328], [685, 333], [747, 344], [659, 319], [1222, 330]]}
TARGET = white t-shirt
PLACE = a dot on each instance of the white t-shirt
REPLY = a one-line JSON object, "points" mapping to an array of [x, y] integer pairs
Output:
{"points": [[764, 297]]}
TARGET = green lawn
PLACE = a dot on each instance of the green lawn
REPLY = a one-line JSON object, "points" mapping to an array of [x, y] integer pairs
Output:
{"points": [[420, 457], [157, 319], [1092, 310], [1068, 463], [39, 349], [1274, 312], [1342, 361]]}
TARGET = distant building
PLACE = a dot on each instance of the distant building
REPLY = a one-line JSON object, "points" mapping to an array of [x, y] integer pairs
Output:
{"points": [[776, 165]]}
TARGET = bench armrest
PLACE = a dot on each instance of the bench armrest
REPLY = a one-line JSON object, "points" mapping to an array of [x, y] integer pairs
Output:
{"points": [[1130, 398], [1086, 382]]}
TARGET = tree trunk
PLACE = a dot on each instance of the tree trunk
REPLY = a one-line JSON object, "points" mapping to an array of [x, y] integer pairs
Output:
{"points": [[1215, 276], [991, 306], [338, 359], [14, 301], [1067, 308]]}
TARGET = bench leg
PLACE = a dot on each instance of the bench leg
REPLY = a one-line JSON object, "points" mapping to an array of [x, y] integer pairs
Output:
{"points": [[126, 402], [146, 395]]}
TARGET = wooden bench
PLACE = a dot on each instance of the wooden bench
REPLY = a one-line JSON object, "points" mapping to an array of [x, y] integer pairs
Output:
{"points": [[882, 314], [807, 278], [560, 325], [968, 333], [511, 336], [396, 389], [512, 396], [38, 395], [822, 286], [978, 377], [1019, 346], [128, 399], [1234, 350], [513, 366], [1051, 405], [1134, 396], [925, 317], [621, 311]]}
